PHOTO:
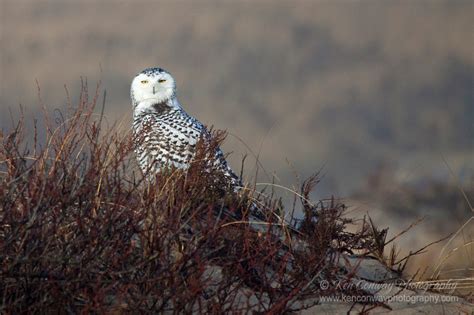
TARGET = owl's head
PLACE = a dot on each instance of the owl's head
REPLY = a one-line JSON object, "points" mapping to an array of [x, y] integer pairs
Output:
{"points": [[153, 85]]}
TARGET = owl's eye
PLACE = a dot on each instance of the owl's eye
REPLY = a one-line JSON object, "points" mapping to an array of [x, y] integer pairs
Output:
{"points": [[144, 81], [161, 80]]}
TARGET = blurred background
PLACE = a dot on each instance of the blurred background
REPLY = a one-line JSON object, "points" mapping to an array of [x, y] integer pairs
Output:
{"points": [[376, 95]]}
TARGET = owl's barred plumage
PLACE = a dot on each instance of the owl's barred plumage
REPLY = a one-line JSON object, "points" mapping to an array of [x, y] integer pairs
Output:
{"points": [[165, 134]]}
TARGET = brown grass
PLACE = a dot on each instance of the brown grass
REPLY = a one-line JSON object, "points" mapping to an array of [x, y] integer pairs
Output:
{"points": [[82, 231]]}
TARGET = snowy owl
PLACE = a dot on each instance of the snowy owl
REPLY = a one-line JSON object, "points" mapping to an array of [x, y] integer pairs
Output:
{"points": [[167, 135]]}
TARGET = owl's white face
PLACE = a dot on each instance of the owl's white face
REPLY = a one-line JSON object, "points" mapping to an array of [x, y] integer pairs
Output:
{"points": [[153, 85]]}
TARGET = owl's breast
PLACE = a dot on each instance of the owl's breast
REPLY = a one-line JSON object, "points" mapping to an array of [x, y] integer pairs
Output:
{"points": [[165, 142]]}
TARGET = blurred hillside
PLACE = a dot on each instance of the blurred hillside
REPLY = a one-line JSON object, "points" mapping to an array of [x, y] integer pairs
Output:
{"points": [[343, 86]]}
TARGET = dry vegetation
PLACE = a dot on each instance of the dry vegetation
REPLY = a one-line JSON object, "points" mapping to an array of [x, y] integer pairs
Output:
{"points": [[357, 84], [80, 231]]}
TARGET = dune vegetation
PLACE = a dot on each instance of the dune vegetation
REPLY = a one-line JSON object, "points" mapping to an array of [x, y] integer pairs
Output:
{"points": [[81, 230]]}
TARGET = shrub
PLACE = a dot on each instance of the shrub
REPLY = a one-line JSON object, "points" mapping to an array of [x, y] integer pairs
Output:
{"points": [[82, 231]]}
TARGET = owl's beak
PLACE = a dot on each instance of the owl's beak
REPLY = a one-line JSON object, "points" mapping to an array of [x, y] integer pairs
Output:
{"points": [[153, 90]]}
